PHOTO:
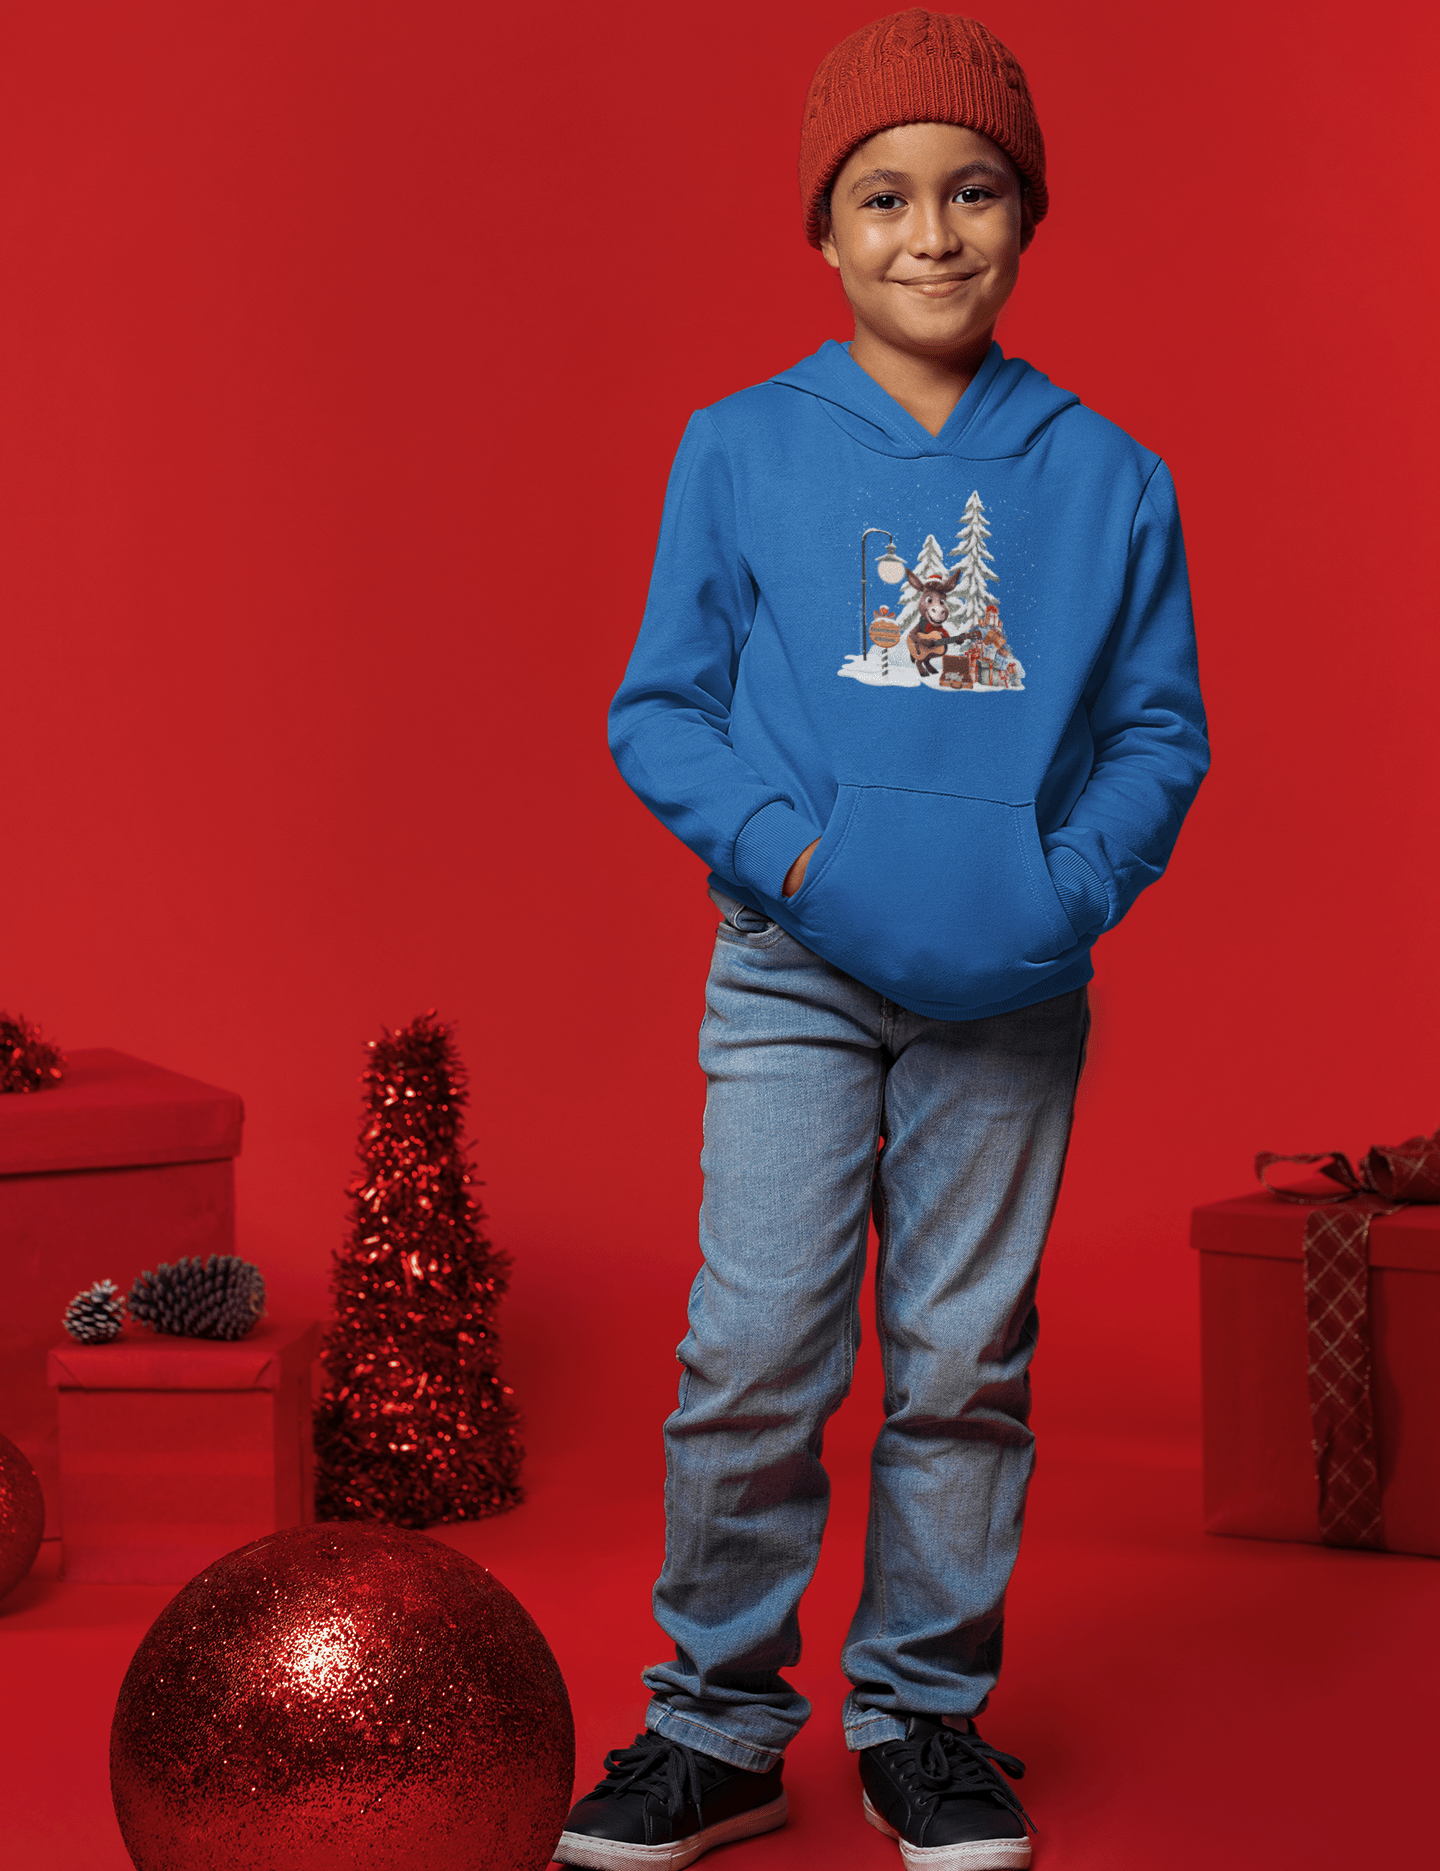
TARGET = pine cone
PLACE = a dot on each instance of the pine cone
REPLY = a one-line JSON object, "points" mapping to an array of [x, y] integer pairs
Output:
{"points": [[221, 1297], [96, 1315]]}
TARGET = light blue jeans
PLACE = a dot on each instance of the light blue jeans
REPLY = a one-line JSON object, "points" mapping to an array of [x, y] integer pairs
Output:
{"points": [[824, 1099]]}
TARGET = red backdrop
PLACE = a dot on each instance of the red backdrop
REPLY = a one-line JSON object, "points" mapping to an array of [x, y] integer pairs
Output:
{"points": [[345, 346]]}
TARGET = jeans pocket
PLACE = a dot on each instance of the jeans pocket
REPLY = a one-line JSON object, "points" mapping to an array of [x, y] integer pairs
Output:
{"points": [[738, 919]]}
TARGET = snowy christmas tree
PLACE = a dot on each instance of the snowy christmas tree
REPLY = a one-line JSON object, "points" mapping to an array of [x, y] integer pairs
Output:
{"points": [[977, 566], [991, 663]]}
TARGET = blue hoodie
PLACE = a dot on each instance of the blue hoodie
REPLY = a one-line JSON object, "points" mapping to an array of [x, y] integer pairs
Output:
{"points": [[987, 710]]}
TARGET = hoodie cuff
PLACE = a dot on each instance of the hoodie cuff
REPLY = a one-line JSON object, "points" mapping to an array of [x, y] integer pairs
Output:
{"points": [[1079, 890], [769, 844]]}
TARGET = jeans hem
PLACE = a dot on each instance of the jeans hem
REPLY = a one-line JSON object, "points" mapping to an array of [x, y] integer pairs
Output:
{"points": [[689, 1730], [872, 1731], [873, 1727]]}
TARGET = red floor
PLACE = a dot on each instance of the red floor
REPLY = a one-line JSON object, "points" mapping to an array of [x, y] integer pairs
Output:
{"points": [[1182, 1701]]}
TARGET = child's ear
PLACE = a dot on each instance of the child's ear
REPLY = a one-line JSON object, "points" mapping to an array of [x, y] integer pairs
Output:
{"points": [[827, 240]]}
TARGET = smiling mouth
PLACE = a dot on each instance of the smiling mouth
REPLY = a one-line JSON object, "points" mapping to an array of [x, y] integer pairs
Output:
{"points": [[935, 282]]}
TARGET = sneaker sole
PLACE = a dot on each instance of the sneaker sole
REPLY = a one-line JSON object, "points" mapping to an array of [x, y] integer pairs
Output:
{"points": [[615, 1855], [973, 1855]]}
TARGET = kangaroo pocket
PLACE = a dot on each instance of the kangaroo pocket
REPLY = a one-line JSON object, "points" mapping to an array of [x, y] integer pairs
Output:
{"points": [[932, 898]]}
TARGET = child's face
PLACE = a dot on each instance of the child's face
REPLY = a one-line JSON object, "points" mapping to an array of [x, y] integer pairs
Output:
{"points": [[927, 225]]}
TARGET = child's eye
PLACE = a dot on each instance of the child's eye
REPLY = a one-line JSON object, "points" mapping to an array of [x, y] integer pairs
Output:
{"points": [[884, 202], [972, 194]]}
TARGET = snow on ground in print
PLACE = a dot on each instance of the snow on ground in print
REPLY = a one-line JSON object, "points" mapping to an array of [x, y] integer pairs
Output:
{"points": [[903, 674]]}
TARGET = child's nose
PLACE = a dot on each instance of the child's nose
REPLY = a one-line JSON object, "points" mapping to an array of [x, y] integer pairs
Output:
{"points": [[931, 233]]}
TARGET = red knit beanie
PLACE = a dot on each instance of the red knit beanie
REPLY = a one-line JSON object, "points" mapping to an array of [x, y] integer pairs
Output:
{"points": [[916, 67]]}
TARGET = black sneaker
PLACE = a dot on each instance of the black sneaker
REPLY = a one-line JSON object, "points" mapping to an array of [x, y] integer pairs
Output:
{"points": [[937, 1793], [662, 1804]]}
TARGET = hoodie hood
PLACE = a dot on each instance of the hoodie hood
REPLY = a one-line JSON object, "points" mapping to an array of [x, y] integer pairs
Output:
{"points": [[1003, 413]]}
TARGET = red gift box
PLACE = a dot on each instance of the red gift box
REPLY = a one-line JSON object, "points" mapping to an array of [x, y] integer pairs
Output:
{"points": [[117, 1168], [174, 1451], [1259, 1464]]}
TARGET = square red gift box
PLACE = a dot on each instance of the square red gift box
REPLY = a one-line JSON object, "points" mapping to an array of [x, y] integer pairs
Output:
{"points": [[174, 1451], [120, 1166], [1259, 1462]]}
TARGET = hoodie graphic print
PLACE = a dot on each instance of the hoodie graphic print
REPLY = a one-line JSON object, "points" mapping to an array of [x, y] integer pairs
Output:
{"points": [[959, 628], [799, 675]]}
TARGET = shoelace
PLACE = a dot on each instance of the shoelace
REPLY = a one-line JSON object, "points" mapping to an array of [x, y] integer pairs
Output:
{"points": [[651, 1764], [950, 1762]]}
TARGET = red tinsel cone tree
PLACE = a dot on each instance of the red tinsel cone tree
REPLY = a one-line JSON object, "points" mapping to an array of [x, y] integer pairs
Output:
{"points": [[414, 1425]]}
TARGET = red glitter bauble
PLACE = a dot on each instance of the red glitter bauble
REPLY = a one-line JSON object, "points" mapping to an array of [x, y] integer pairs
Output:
{"points": [[22, 1515], [342, 1698]]}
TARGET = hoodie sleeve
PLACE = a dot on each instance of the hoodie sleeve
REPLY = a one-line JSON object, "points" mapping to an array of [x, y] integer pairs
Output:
{"points": [[670, 721], [1147, 724]]}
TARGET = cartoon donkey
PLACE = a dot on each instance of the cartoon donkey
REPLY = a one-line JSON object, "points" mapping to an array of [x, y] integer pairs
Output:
{"points": [[930, 633]]}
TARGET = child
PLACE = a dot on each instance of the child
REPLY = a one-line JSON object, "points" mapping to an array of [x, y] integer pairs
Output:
{"points": [[910, 880]]}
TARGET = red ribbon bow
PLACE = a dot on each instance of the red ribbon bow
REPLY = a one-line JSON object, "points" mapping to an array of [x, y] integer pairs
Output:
{"points": [[1337, 1313]]}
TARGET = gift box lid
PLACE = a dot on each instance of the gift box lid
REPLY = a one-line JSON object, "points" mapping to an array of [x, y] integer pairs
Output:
{"points": [[141, 1360], [1264, 1225], [110, 1112]]}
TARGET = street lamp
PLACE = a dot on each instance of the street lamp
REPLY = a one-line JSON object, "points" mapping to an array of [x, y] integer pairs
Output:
{"points": [[891, 568]]}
